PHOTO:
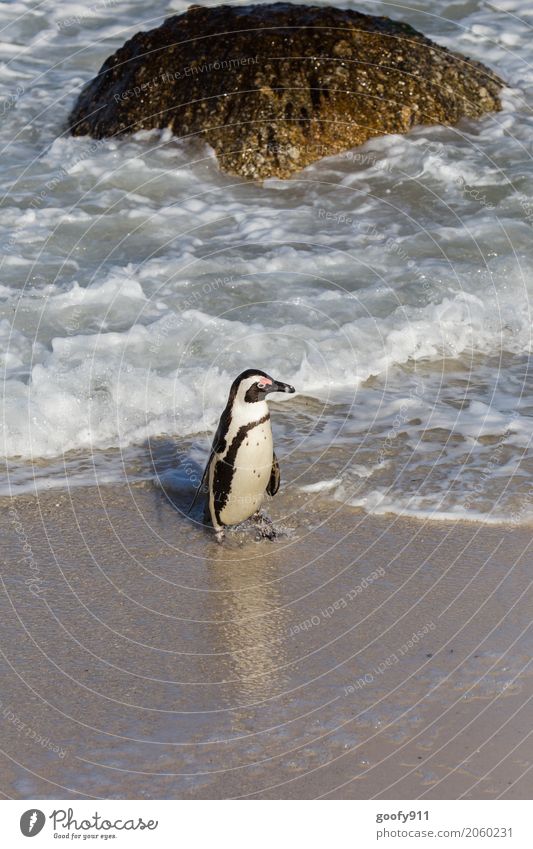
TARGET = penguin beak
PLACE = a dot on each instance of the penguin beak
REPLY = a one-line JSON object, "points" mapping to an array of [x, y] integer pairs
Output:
{"points": [[278, 386]]}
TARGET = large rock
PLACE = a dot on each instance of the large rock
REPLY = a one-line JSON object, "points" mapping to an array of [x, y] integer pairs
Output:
{"points": [[275, 87]]}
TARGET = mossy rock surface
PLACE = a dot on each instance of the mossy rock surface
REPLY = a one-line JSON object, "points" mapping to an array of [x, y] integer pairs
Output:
{"points": [[275, 87]]}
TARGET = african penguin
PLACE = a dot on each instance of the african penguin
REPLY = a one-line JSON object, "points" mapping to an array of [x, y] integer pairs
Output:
{"points": [[242, 465]]}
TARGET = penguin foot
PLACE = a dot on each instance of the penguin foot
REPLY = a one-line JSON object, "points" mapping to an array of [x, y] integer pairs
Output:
{"points": [[219, 536], [265, 526]]}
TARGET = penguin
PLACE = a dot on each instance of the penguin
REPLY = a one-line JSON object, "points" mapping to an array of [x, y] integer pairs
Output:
{"points": [[242, 466]]}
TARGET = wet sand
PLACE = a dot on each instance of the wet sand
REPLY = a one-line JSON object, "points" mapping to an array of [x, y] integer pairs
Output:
{"points": [[354, 657]]}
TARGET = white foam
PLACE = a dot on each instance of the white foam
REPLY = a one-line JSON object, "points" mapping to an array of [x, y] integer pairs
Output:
{"points": [[137, 279]]}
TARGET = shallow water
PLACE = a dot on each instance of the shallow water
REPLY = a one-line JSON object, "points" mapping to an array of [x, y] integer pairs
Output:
{"points": [[391, 285]]}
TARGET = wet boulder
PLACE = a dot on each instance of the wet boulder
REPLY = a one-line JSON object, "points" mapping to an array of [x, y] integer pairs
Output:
{"points": [[275, 87]]}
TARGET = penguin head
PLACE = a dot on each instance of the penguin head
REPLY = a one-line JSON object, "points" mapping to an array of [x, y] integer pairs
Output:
{"points": [[254, 385]]}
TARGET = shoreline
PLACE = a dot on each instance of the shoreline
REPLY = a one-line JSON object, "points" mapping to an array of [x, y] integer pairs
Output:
{"points": [[355, 657]]}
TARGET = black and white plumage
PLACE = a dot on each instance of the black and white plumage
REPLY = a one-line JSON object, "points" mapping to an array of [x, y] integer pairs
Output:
{"points": [[242, 466]]}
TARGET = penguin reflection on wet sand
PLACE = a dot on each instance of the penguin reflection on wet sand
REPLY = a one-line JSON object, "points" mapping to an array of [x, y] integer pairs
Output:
{"points": [[242, 466]]}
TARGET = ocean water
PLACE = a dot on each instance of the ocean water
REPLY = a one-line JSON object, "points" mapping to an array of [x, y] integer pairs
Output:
{"points": [[390, 284]]}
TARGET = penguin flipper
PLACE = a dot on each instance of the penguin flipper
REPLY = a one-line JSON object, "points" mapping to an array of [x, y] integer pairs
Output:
{"points": [[275, 477], [218, 445]]}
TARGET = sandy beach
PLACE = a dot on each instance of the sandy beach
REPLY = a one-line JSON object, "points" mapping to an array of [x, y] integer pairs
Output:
{"points": [[355, 657]]}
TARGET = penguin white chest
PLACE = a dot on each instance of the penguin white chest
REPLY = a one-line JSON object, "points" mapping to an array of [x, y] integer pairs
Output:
{"points": [[252, 468]]}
